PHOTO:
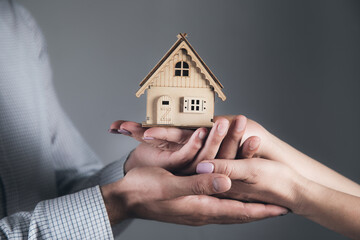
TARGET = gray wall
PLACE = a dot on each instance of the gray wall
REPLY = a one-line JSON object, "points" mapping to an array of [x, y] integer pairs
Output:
{"points": [[294, 66]]}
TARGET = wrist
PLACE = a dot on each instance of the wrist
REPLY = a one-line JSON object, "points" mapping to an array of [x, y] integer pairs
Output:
{"points": [[277, 150], [129, 163], [270, 147], [115, 202], [301, 189]]}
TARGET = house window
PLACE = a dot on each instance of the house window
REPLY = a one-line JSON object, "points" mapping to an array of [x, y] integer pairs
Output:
{"points": [[182, 69], [194, 105]]}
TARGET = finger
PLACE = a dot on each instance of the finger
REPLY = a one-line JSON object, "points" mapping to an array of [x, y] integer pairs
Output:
{"points": [[242, 191], [203, 184], [260, 210], [127, 128], [133, 129], [249, 148], [230, 144], [115, 126], [237, 170], [188, 152], [230, 118], [212, 143], [177, 135], [220, 211]]}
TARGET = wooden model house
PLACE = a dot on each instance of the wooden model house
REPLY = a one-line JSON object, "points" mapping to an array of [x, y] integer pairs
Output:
{"points": [[180, 89]]}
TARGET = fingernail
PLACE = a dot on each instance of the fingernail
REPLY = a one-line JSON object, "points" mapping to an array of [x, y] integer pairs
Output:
{"points": [[254, 143], [222, 128], [220, 184], [240, 124], [201, 135], [114, 131], [205, 168], [148, 138], [125, 132]]}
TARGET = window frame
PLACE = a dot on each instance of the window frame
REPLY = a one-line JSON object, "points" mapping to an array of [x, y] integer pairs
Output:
{"points": [[182, 69], [194, 105]]}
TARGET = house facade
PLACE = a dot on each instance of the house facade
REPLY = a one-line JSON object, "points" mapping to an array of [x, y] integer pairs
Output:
{"points": [[180, 89]]}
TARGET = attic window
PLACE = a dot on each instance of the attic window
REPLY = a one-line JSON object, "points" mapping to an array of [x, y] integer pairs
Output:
{"points": [[182, 69]]}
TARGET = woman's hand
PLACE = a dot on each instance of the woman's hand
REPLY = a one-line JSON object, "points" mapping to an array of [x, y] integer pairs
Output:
{"points": [[249, 142], [273, 148], [260, 180], [154, 193]]}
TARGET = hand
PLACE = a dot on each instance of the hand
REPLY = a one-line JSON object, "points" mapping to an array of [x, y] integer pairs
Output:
{"points": [[259, 180], [273, 148], [177, 150], [174, 149], [154, 193], [230, 145], [249, 146], [168, 148], [236, 144]]}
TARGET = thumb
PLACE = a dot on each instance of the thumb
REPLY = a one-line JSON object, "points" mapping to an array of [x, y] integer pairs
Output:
{"points": [[203, 184], [234, 169]]}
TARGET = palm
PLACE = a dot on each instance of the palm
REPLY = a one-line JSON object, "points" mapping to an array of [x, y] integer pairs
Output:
{"points": [[165, 156]]}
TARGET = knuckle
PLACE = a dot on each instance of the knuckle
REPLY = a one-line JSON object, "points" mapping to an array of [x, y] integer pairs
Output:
{"points": [[227, 169], [199, 187], [255, 170], [196, 145], [216, 140]]}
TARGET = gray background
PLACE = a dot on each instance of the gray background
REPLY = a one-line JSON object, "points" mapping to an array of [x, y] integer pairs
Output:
{"points": [[294, 66]]}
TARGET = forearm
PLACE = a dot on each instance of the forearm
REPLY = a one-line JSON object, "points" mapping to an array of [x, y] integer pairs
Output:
{"points": [[335, 210], [280, 151]]}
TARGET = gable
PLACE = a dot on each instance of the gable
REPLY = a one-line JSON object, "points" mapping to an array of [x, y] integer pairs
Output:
{"points": [[165, 77], [200, 76]]}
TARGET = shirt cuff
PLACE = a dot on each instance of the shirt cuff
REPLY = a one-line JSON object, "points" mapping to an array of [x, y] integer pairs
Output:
{"points": [[81, 215], [113, 172]]}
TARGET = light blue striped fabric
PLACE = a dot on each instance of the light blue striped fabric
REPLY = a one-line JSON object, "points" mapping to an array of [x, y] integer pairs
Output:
{"points": [[49, 177]]}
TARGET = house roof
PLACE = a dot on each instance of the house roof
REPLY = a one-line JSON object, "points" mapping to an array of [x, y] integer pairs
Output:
{"points": [[182, 39]]}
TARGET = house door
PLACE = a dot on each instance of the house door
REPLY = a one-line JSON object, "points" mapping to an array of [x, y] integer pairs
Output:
{"points": [[164, 110]]}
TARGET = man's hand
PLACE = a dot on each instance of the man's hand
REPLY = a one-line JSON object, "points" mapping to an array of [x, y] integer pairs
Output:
{"points": [[178, 150], [168, 148], [154, 193]]}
